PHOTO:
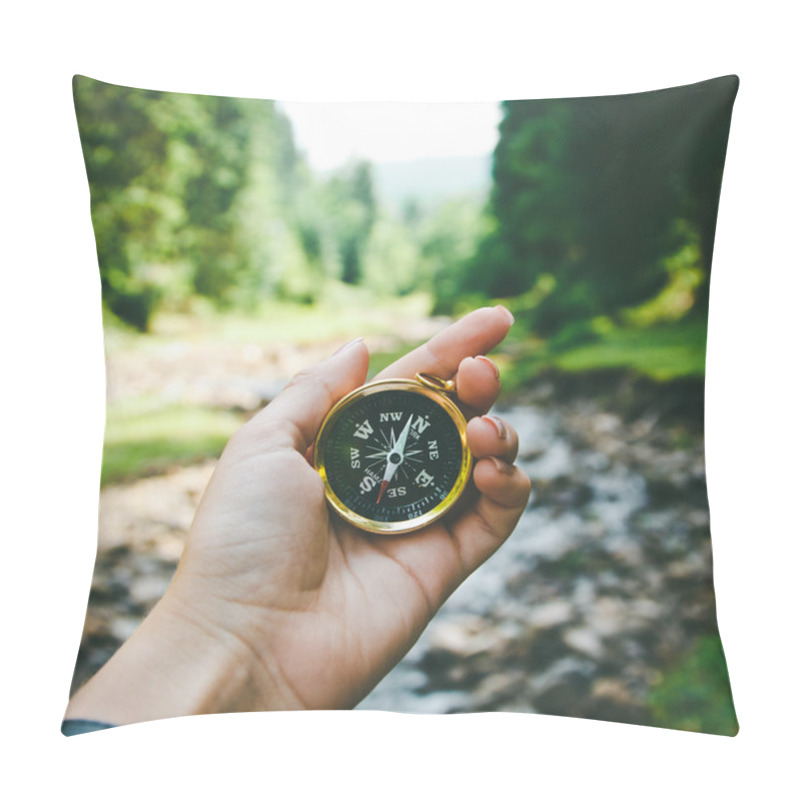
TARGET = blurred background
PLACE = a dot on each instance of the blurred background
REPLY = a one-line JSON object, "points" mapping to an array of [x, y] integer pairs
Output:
{"points": [[240, 240]]}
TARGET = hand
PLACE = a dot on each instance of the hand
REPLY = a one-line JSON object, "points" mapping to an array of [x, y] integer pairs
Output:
{"points": [[277, 602]]}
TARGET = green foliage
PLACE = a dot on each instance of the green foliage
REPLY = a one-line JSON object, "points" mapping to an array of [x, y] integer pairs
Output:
{"points": [[349, 203], [125, 157], [588, 197], [449, 237], [220, 140], [586, 203], [391, 259], [201, 196], [696, 694], [684, 277], [199, 182]]}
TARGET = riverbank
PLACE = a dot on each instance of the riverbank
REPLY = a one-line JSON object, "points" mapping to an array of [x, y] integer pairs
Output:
{"points": [[602, 599]]}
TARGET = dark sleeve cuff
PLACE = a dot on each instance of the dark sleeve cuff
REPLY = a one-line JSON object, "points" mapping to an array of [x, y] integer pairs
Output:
{"points": [[74, 727]]}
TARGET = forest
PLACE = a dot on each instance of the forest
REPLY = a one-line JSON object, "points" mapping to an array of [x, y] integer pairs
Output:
{"points": [[206, 200]]}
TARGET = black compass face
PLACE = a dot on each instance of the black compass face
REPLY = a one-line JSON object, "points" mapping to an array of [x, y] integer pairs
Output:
{"points": [[393, 456]]}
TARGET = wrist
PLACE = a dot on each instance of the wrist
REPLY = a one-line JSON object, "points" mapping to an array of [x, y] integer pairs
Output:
{"points": [[177, 664]]}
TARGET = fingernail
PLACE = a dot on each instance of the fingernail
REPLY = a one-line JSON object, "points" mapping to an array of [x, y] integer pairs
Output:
{"points": [[497, 424], [502, 466], [491, 364], [346, 346], [507, 313]]}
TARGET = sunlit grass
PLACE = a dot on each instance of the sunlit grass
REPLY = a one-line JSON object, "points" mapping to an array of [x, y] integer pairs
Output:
{"points": [[346, 312], [662, 353], [143, 438]]}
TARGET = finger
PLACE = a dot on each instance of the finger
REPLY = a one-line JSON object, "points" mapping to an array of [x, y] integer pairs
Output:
{"points": [[504, 492], [478, 383], [295, 415], [442, 557], [491, 436], [476, 333]]}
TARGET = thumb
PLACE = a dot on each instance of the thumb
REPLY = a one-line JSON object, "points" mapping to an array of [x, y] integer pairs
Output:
{"points": [[295, 415]]}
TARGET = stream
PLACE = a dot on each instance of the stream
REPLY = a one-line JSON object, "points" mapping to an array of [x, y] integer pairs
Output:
{"points": [[600, 586]]}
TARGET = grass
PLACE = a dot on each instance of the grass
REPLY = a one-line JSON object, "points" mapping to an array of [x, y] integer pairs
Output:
{"points": [[144, 439], [695, 695], [662, 353]]}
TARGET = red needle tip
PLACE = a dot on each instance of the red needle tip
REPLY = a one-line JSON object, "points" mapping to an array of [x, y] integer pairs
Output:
{"points": [[384, 484]]}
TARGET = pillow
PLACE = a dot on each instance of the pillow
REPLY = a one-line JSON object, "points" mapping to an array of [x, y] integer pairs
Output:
{"points": [[231, 256]]}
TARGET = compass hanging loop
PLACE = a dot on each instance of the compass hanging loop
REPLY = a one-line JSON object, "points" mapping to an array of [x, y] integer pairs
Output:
{"points": [[436, 383]]}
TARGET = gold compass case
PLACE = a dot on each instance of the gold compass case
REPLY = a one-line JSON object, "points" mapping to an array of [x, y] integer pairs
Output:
{"points": [[357, 422]]}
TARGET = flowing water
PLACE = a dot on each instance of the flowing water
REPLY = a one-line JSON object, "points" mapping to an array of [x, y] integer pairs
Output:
{"points": [[600, 583]]}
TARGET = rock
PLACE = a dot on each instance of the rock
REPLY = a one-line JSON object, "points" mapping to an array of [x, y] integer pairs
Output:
{"points": [[169, 549], [152, 508], [556, 461], [698, 518], [549, 535], [148, 589], [594, 461], [693, 566], [609, 616], [606, 423], [583, 594], [643, 427], [548, 615], [442, 702], [96, 623], [626, 551], [645, 610], [563, 687], [545, 648], [663, 493], [584, 641], [501, 687], [609, 580], [122, 628], [465, 636], [611, 689]]}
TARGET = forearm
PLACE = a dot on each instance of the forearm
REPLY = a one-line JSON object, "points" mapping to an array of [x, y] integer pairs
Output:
{"points": [[172, 666]]}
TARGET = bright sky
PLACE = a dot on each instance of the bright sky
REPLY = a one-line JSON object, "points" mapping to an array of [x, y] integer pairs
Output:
{"points": [[332, 133]]}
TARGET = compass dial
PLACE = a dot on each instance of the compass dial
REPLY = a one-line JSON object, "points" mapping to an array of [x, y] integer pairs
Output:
{"points": [[393, 458]]}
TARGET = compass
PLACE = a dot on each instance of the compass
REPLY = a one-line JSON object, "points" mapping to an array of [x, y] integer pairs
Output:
{"points": [[393, 454]]}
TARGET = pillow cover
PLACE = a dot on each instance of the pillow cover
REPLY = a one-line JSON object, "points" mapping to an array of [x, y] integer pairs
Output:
{"points": [[228, 262]]}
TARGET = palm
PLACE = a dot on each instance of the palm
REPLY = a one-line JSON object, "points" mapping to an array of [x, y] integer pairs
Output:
{"points": [[313, 580]]}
